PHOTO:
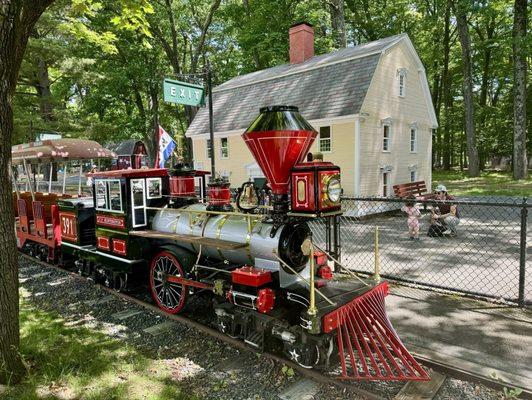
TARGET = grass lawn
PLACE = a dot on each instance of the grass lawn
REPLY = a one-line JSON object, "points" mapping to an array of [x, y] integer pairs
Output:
{"points": [[72, 362], [488, 184]]}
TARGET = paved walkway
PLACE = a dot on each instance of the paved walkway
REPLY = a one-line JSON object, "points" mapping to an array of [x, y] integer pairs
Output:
{"points": [[483, 339], [484, 258]]}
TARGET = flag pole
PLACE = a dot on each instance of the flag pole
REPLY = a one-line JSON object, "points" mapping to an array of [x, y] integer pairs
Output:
{"points": [[157, 150], [211, 121]]}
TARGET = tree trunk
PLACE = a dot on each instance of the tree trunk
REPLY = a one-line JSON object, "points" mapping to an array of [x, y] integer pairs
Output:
{"points": [[445, 147], [152, 139], [17, 19], [336, 8], [520, 70], [44, 92], [463, 35], [9, 328]]}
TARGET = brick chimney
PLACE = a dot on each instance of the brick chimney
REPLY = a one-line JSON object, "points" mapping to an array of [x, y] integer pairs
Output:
{"points": [[301, 42]]}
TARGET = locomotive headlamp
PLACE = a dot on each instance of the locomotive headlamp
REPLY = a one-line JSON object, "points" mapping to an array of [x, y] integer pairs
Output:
{"points": [[333, 188], [316, 187]]}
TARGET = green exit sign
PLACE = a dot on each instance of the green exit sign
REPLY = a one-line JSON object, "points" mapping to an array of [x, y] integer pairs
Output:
{"points": [[183, 93]]}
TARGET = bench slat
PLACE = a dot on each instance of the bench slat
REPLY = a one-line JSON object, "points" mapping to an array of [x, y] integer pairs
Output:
{"points": [[416, 189]]}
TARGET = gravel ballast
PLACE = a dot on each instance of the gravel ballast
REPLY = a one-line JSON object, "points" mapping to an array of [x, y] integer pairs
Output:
{"points": [[201, 364]]}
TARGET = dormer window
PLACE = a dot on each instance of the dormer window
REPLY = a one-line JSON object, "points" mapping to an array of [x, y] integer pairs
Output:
{"points": [[401, 82]]}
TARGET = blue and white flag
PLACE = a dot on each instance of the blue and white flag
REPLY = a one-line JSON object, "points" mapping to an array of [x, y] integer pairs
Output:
{"points": [[166, 146]]}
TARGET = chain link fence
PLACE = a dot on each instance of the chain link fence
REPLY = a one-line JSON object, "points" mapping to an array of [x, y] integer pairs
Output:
{"points": [[487, 256]]}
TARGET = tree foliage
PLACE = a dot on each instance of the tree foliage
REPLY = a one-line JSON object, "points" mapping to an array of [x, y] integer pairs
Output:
{"points": [[105, 72]]}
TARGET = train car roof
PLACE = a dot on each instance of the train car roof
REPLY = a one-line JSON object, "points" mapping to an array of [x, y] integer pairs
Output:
{"points": [[139, 173], [59, 150], [131, 173]]}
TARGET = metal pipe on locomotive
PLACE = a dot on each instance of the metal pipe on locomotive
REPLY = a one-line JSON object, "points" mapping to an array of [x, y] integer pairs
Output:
{"points": [[269, 285]]}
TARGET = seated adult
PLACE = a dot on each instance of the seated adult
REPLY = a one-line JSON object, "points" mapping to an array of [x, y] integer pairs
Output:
{"points": [[445, 213]]}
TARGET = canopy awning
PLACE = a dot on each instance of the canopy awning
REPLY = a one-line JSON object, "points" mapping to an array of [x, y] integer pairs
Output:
{"points": [[59, 150]]}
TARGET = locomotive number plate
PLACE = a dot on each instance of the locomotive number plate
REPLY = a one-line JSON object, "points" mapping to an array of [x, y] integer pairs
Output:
{"points": [[69, 230]]}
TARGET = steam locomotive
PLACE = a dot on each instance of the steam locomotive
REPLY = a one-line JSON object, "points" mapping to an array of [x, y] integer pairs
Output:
{"points": [[270, 285]]}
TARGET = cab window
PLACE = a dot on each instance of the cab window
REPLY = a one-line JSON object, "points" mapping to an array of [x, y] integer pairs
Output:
{"points": [[109, 195]]}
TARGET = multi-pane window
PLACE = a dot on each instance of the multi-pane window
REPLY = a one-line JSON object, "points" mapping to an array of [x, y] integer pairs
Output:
{"points": [[413, 175], [224, 148], [386, 138], [385, 183], [208, 149], [401, 85], [108, 195], [413, 140], [153, 188], [325, 139]]}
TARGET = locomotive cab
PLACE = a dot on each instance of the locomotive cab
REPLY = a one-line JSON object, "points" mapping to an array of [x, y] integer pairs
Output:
{"points": [[123, 203]]}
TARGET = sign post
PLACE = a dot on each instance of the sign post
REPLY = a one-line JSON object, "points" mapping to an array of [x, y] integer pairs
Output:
{"points": [[211, 121]]}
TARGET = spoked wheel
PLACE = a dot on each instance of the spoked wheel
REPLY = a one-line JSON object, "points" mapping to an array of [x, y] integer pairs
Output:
{"points": [[169, 294]]}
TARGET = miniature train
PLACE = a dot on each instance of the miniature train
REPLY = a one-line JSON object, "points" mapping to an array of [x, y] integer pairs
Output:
{"points": [[271, 286]]}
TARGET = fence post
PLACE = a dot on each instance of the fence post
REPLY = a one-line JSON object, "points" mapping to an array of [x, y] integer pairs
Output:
{"points": [[522, 258], [337, 246], [377, 271]]}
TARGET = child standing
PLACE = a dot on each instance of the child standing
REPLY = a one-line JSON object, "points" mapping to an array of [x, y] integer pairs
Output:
{"points": [[412, 210]]}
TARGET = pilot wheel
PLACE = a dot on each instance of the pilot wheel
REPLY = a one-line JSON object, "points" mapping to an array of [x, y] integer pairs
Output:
{"points": [[307, 356]]}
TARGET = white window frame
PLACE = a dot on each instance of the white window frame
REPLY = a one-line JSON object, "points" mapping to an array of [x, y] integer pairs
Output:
{"points": [[320, 139], [401, 82], [148, 180], [414, 142], [143, 206], [222, 148], [207, 146], [401, 85], [107, 197], [385, 174], [388, 139], [414, 172]]}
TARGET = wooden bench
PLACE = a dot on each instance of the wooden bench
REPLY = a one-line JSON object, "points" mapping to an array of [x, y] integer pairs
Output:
{"points": [[416, 189]]}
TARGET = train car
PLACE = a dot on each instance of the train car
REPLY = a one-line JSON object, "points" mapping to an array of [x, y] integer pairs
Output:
{"points": [[270, 284], [36, 213]]}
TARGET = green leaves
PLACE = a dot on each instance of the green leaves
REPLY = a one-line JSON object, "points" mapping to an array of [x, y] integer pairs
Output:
{"points": [[287, 371], [132, 16], [79, 29], [107, 58]]}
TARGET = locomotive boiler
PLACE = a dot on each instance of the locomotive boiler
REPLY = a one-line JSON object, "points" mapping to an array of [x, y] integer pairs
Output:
{"points": [[259, 237], [269, 284]]}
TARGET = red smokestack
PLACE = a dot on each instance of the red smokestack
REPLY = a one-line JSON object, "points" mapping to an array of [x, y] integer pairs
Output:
{"points": [[278, 139]]}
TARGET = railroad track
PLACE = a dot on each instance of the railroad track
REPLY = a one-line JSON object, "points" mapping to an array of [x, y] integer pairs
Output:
{"points": [[411, 390]]}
